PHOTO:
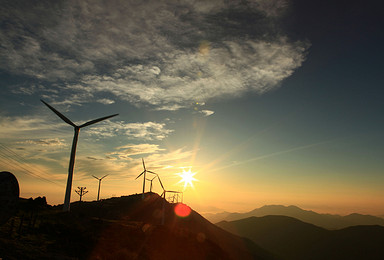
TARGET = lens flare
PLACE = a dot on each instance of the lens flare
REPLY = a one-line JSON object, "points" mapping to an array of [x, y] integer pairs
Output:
{"points": [[182, 210]]}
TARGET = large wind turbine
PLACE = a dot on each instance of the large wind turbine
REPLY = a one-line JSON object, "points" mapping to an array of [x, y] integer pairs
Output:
{"points": [[144, 179], [67, 199], [99, 179]]}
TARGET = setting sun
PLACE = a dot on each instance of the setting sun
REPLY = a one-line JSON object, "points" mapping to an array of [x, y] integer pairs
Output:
{"points": [[187, 178]]}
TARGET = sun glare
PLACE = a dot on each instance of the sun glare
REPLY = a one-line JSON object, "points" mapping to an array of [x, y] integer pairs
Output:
{"points": [[187, 178]]}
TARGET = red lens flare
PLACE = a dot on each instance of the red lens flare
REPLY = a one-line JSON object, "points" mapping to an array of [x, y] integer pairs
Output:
{"points": [[182, 210]]}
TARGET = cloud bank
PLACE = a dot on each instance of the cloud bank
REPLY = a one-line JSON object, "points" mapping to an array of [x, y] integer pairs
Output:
{"points": [[162, 54]]}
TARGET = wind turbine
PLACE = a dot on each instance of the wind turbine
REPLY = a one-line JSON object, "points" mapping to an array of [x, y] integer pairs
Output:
{"points": [[98, 192], [175, 197], [144, 172], [67, 199], [176, 193], [151, 180]]}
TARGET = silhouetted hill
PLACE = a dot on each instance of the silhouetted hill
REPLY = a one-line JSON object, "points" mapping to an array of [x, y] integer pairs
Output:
{"points": [[122, 228], [290, 238], [322, 220], [283, 235]]}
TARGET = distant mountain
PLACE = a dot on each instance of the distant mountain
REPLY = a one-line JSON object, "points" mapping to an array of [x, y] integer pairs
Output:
{"points": [[290, 238], [322, 220], [121, 228]]}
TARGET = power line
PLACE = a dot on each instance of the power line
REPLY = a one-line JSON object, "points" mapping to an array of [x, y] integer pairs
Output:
{"points": [[20, 158], [13, 163], [19, 162]]}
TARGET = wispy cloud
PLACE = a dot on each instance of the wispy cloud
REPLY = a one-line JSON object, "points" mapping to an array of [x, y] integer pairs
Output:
{"points": [[124, 152], [106, 101], [207, 112], [164, 54], [142, 131], [27, 127], [45, 142], [156, 159], [33, 129]]}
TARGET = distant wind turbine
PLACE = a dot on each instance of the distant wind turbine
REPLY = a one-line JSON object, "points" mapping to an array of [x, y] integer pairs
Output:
{"points": [[176, 195], [151, 180], [100, 179], [67, 199], [144, 172]]}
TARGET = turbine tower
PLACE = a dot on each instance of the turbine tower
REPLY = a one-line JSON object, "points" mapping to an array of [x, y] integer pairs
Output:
{"points": [[151, 180], [144, 179], [67, 199], [100, 179]]}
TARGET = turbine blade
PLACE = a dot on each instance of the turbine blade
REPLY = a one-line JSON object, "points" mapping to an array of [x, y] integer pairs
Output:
{"points": [[104, 176], [140, 175], [160, 182], [95, 177], [96, 121], [152, 172], [143, 163], [64, 118]]}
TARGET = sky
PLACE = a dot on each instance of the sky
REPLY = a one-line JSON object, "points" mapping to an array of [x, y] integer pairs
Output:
{"points": [[264, 101]]}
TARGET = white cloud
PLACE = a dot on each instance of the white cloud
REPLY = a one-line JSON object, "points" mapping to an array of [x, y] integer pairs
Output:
{"points": [[106, 101], [141, 131], [28, 127], [207, 112], [45, 142], [187, 77], [124, 152], [166, 54], [40, 130], [124, 166]]}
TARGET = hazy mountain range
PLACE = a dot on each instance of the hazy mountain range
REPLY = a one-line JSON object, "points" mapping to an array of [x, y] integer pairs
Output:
{"points": [[290, 238], [322, 220]]}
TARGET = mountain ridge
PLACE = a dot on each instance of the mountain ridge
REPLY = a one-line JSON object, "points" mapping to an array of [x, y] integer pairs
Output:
{"points": [[327, 221], [290, 238]]}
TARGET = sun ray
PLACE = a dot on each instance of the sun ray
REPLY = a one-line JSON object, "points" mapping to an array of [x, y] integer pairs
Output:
{"points": [[187, 178]]}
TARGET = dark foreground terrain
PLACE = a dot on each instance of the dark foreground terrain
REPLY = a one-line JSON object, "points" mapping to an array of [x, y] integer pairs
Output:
{"points": [[118, 228]]}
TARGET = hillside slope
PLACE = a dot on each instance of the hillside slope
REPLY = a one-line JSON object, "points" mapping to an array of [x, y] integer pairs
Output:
{"points": [[125, 228], [290, 238]]}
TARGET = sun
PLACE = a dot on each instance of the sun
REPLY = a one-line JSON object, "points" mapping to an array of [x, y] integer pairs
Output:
{"points": [[187, 178]]}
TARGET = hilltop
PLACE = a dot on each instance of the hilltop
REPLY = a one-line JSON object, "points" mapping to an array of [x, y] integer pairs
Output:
{"points": [[121, 228]]}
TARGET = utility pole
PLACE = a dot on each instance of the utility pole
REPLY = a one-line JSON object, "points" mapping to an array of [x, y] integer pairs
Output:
{"points": [[81, 191]]}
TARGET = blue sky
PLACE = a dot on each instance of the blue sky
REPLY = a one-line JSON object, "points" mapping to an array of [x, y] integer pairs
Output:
{"points": [[269, 102]]}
